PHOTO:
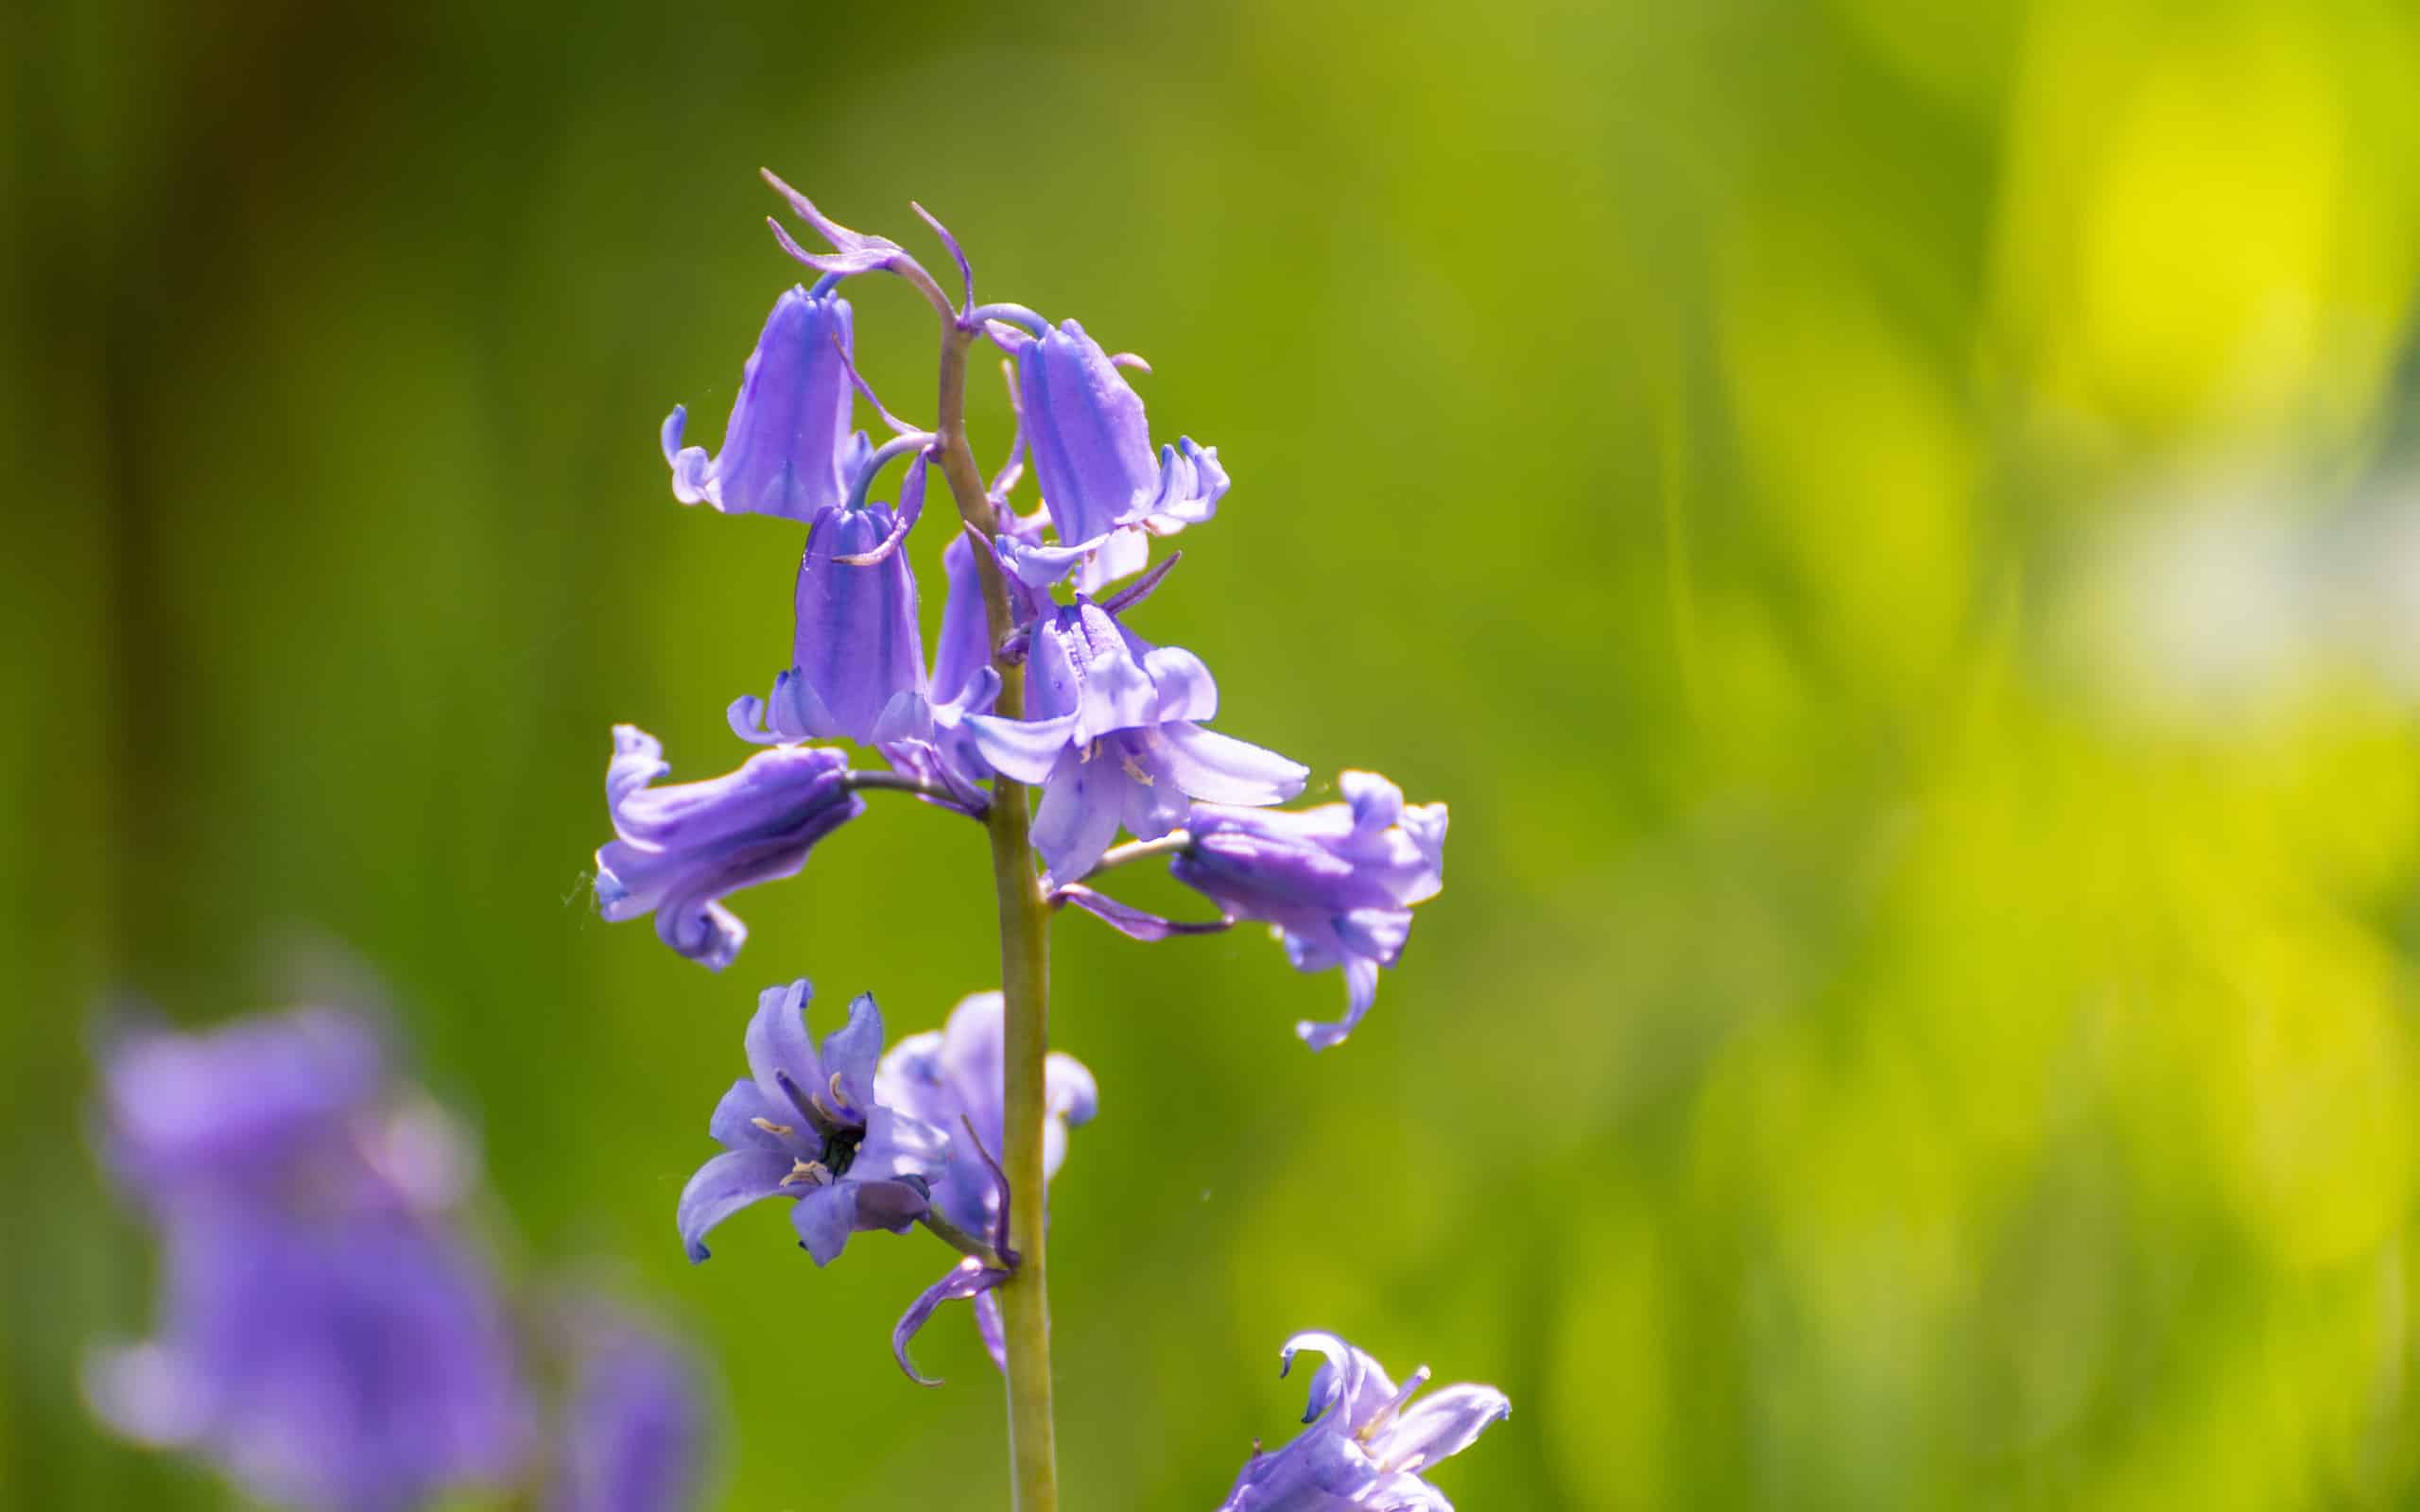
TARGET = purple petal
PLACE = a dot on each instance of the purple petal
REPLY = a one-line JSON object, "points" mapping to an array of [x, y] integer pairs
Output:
{"points": [[1082, 804], [1361, 991], [1186, 688], [789, 425], [721, 1187], [778, 1045], [1039, 566], [858, 644], [736, 1124], [852, 1051], [1154, 803], [1347, 1377], [1129, 920], [1122, 554], [968, 1278], [148, 1393], [1068, 1090], [824, 1217], [892, 1206], [1086, 432], [1024, 750], [1220, 769], [994, 1333], [1444, 1424]]}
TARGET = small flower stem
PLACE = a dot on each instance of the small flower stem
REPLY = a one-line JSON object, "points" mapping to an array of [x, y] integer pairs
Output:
{"points": [[1025, 983], [901, 782], [1172, 843], [964, 1243]]}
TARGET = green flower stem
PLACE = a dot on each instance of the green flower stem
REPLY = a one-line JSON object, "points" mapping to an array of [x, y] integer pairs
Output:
{"points": [[1025, 982]]}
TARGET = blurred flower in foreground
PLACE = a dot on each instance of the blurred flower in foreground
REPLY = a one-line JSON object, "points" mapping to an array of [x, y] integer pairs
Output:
{"points": [[330, 1338], [326, 1337], [633, 1421], [1366, 1444]]}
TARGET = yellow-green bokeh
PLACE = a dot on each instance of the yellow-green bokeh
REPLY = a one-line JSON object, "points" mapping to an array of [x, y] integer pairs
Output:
{"points": [[1912, 1021]]}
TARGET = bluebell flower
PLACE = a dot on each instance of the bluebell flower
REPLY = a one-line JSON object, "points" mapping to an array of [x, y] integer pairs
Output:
{"points": [[632, 1431], [1084, 427], [680, 850], [953, 1078], [1337, 882], [1367, 1446], [789, 450], [808, 1125], [1111, 737], [324, 1337], [858, 662]]}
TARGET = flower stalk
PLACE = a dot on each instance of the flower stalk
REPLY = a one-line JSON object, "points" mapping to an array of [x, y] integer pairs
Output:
{"points": [[1025, 983]]}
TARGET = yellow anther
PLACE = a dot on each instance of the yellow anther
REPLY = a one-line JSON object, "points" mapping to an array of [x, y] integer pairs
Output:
{"points": [[771, 1127], [1132, 770], [1092, 748], [839, 1098], [810, 1172]]}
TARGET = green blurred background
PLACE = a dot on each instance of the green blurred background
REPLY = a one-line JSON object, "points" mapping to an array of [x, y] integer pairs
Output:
{"points": [[1894, 527]]}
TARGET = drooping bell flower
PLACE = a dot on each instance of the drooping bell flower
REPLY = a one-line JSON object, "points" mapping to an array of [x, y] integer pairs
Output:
{"points": [[857, 662], [1091, 445], [632, 1434], [953, 1078], [1338, 882], [680, 850], [1112, 734], [325, 1338], [808, 1124], [1367, 1446], [789, 450]]}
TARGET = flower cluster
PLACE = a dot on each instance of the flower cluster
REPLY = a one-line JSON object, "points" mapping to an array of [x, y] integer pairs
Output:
{"points": [[1114, 730], [1041, 679], [330, 1336]]}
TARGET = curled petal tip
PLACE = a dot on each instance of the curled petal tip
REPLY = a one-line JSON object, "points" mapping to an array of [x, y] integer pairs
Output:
{"points": [[956, 254], [1130, 359]]}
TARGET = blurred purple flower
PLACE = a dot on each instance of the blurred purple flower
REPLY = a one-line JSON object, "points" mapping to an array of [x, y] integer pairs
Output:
{"points": [[1337, 881], [787, 450], [808, 1125], [680, 850], [324, 1337], [632, 1431], [1084, 427], [1110, 736], [1366, 1445]]}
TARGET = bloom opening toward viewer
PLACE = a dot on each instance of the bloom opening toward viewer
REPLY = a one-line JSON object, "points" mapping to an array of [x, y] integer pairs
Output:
{"points": [[1110, 734], [1366, 1444], [808, 1124]]}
